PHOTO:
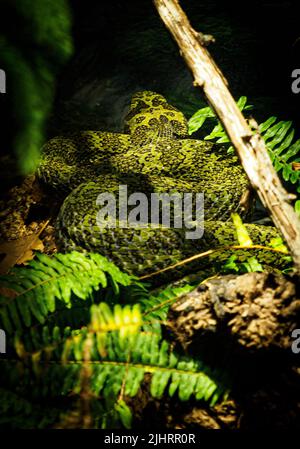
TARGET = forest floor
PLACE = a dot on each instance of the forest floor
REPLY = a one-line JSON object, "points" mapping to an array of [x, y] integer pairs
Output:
{"points": [[27, 214]]}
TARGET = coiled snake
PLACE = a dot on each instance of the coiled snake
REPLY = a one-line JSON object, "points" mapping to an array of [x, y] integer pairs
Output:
{"points": [[154, 154]]}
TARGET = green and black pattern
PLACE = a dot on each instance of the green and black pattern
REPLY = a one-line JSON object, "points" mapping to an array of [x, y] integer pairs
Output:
{"points": [[153, 155]]}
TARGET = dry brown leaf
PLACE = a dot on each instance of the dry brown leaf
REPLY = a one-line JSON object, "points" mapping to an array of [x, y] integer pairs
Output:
{"points": [[17, 252]]}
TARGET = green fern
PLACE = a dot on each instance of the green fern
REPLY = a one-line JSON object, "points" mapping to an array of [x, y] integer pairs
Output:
{"points": [[17, 412], [105, 358], [155, 307], [130, 359], [117, 360], [46, 281], [118, 351], [278, 136], [199, 118]]}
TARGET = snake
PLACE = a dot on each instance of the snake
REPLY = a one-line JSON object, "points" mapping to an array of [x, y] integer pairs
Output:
{"points": [[153, 154]]}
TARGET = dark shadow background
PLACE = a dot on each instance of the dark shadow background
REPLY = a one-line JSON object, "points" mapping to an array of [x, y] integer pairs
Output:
{"points": [[122, 47]]}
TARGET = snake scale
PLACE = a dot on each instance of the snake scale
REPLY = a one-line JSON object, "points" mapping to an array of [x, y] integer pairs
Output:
{"points": [[154, 154]]}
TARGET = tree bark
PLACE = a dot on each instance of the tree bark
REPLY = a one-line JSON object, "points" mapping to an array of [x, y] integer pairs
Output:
{"points": [[254, 310], [248, 144]]}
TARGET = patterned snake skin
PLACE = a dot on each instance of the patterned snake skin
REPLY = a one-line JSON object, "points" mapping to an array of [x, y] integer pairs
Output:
{"points": [[154, 154]]}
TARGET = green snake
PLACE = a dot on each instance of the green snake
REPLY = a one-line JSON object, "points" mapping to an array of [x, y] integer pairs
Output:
{"points": [[154, 154]]}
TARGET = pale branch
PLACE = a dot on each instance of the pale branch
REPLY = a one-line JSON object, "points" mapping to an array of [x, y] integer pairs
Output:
{"points": [[248, 144]]}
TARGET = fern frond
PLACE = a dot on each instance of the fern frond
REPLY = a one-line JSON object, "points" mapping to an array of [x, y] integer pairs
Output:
{"points": [[282, 150], [18, 412], [146, 353], [106, 357], [200, 117], [47, 281], [119, 356], [278, 136], [156, 306], [40, 344], [127, 361], [46, 341]]}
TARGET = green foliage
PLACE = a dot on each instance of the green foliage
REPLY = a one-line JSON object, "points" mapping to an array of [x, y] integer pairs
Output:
{"points": [[251, 264], [155, 307], [242, 234], [120, 357], [232, 265], [46, 281], [32, 59], [103, 358], [297, 203], [278, 136], [124, 413], [17, 412], [244, 239], [199, 118]]}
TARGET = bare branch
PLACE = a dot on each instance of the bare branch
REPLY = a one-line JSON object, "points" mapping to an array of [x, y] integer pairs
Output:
{"points": [[249, 146]]}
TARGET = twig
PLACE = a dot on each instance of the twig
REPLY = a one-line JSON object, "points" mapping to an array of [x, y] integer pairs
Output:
{"points": [[208, 253]]}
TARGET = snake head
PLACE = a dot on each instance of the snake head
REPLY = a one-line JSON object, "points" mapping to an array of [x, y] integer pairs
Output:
{"points": [[150, 115]]}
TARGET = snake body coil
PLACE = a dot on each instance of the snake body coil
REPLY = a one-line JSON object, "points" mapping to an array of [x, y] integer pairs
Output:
{"points": [[154, 155]]}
